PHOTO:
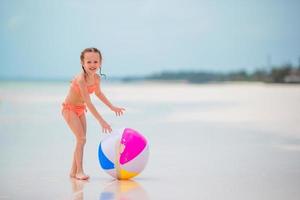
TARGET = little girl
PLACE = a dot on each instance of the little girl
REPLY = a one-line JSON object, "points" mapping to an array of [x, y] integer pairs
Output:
{"points": [[78, 99]]}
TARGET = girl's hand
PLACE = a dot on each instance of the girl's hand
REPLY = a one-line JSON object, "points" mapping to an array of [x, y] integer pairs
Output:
{"points": [[117, 110], [105, 127]]}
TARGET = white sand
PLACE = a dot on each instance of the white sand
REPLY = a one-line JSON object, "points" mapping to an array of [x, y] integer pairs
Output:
{"points": [[216, 141]]}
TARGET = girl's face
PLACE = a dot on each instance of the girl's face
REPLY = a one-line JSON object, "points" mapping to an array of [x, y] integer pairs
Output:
{"points": [[91, 62]]}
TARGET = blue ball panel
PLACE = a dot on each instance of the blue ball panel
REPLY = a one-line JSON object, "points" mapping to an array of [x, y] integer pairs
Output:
{"points": [[104, 161]]}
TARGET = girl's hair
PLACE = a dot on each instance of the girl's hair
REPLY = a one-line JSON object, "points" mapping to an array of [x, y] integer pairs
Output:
{"points": [[92, 49]]}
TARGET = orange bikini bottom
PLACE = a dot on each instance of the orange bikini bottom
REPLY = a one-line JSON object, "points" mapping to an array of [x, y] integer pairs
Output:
{"points": [[77, 109]]}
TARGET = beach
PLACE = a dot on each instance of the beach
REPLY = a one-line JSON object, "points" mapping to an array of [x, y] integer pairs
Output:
{"points": [[207, 141]]}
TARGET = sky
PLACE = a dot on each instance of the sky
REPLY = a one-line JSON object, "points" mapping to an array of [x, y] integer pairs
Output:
{"points": [[44, 39]]}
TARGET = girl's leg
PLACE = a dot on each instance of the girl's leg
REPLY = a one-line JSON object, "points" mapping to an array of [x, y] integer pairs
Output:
{"points": [[74, 165], [75, 125], [83, 124]]}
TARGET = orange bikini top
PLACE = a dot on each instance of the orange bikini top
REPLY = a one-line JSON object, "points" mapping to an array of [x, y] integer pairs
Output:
{"points": [[91, 88]]}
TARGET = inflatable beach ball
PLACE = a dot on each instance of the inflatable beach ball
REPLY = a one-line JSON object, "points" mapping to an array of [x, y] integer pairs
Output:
{"points": [[124, 153]]}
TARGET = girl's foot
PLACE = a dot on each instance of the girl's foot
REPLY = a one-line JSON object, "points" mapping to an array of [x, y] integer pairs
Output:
{"points": [[81, 176], [72, 175]]}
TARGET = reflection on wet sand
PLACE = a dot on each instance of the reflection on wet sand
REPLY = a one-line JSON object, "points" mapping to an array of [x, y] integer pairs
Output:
{"points": [[123, 189], [77, 188]]}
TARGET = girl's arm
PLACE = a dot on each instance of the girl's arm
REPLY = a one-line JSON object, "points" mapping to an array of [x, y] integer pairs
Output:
{"points": [[102, 97], [91, 107]]}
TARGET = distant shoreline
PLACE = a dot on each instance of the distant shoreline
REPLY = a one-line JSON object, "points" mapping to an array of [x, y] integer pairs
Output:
{"points": [[282, 74], [286, 74], [144, 82]]}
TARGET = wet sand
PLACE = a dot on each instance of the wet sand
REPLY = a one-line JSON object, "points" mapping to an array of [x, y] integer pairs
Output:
{"points": [[214, 141]]}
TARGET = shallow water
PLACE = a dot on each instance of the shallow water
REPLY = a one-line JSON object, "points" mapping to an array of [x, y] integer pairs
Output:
{"points": [[213, 141]]}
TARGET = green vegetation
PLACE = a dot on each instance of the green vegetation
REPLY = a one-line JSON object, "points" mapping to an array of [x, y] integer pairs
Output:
{"points": [[281, 74]]}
